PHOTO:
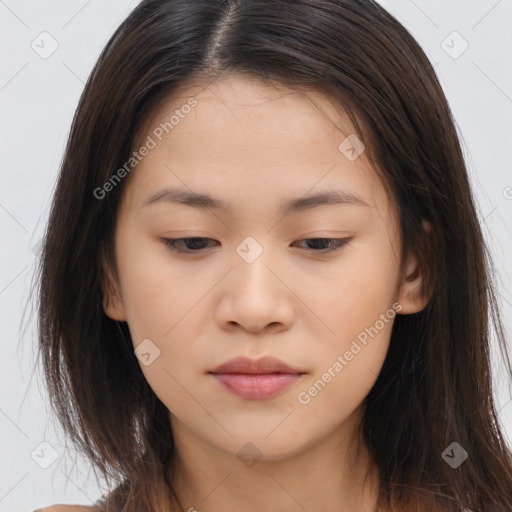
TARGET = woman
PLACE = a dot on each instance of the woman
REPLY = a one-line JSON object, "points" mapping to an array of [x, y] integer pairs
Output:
{"points": [[264, 285]]}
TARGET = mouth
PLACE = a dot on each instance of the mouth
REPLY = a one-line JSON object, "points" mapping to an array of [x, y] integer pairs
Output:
{"points": [[256, 379]]}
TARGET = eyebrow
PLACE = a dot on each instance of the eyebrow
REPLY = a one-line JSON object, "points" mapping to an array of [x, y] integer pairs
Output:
{"points": [[204, 201]]}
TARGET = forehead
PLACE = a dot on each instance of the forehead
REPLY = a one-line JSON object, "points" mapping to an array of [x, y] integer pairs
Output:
{"points": [[246, 135], [253, 108]]}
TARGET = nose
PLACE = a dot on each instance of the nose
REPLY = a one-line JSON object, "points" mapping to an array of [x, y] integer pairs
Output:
{"points": [[255, 297]]}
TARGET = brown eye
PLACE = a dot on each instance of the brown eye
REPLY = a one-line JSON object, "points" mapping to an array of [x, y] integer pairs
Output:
{"points": [[186, 245], [325, 244]]}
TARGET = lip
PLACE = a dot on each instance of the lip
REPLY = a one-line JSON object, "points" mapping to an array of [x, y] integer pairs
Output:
{"points": [[256, 379], [261, 366]]}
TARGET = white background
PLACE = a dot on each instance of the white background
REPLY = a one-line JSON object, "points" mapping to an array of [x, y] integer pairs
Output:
{"points": [[37, 101]]}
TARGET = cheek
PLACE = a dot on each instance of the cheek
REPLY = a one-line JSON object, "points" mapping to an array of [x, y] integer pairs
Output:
{"points": [[162, 299], [345, 371], [357, 305], [156, 293], [159, 299], [355, 290]]}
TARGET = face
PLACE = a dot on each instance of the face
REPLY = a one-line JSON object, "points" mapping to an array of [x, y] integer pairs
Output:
{"points": [[268, 265]]}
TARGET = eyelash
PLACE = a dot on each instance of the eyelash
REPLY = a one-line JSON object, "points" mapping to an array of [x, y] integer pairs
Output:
{"points": [[170, 244]]}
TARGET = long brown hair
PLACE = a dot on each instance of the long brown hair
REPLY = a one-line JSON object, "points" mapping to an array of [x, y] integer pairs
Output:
{"points": [[435, 387]]}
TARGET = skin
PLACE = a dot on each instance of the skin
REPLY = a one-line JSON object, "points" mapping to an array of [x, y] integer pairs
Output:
{"points": [[256, 146]]}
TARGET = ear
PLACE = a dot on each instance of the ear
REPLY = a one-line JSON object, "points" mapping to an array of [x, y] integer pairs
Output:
{"points": [[414, 292], [112, 301]]}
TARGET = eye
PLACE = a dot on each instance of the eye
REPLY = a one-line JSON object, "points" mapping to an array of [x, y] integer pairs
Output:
{"points": [[325, 244], [197, 244], [194, 244]]}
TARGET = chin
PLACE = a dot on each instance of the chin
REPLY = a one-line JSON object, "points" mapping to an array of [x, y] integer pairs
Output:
{"points": [[261, 445]]}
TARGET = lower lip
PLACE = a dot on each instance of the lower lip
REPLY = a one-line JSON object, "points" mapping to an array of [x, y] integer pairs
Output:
{"points": [[256, 387]]}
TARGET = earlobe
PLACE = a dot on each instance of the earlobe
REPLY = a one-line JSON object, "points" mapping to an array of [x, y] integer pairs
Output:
{"points": [[114, 309], [413, 294], [112, 301], [410, 296]]}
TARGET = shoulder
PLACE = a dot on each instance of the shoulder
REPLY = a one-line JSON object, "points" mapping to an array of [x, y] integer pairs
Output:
{"points": [[68, 508]]}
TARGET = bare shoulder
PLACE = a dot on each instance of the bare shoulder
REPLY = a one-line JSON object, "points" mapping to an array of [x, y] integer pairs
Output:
{"points": [[68, 508]]}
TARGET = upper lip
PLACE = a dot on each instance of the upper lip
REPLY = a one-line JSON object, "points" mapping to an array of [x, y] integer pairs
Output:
{"points": [[264, 365]]}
